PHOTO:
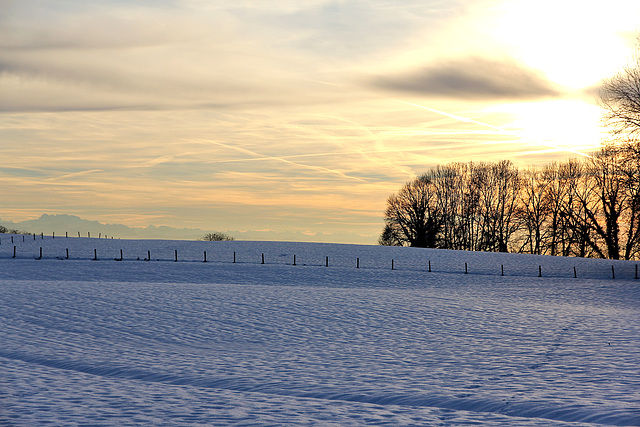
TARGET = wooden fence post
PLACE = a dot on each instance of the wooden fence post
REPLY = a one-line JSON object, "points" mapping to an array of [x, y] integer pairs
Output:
{"points": [[392, 267], [14, 251], [465, 268], [539, 271], [429, 266], [357, 262], [205, 256], [95, 254], [263, 257], [176, 256], [294, 259], [502, 269], [613, 273], [67, 254], [326, 264], [575, 273]]}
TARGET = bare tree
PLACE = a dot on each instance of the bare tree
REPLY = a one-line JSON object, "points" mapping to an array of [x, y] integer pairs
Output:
{"points": [[620, 96], [390, 236], [498, 196], [412, 216], [619, 173], [508, 182], [448, 181], [558, 176], [534, 209], [631, 223]]}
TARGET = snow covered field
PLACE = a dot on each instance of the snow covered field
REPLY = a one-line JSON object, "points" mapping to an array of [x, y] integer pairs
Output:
{"points": [[161, 342]]}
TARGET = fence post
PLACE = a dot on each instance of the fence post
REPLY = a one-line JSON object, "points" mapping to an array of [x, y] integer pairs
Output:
{"points": [[67, 254], [539, 271], [613, 273], [176, 256], [121, 257], [95, 254], [234, 257], [148, 255], [429, 266], [392, 267], [88, 234], [294, 259], [263, 257], [502, 269], [66, 234], [53, 235], [14, 251], [326, 264], [575, 273], [205, 256], [357, 262], [465, 268]]}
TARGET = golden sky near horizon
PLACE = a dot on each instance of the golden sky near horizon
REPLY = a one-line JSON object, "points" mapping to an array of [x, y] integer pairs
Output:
{"points": [[287, 116]]}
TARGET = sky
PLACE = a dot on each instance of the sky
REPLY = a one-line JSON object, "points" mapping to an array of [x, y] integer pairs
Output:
{"points": [[287, 116]]}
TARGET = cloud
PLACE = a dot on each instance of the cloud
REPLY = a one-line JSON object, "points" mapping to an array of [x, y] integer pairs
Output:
{"points": [[473, 78], [185, 54]]}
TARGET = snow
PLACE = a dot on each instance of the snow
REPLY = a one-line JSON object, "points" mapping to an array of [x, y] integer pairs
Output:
{"points": [[161, 342]]}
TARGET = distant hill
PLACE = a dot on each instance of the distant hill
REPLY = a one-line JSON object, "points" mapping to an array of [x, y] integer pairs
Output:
{"points": [[60, 224]]}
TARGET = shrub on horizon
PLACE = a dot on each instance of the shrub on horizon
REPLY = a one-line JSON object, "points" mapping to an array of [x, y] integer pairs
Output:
{"points": [[217, 237]]}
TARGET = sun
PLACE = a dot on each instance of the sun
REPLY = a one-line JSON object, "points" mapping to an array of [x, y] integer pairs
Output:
{"points": [[574, 43], [571, 127]]}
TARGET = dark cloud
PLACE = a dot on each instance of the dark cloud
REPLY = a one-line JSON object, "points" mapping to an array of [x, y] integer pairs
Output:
{"points": [[473, 78]]}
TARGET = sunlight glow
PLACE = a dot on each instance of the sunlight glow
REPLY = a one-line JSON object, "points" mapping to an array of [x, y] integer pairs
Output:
{"points": [[573, 126], [575, 43], [525, 135]]}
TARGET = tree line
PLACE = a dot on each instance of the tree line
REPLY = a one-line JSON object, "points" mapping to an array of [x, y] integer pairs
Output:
{"points": [[581, 207], [587, 207]]}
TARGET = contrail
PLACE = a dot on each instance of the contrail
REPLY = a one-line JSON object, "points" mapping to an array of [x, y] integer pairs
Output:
{"points": [[343, 153], [259, 156], [74, 174], [500, 129]]}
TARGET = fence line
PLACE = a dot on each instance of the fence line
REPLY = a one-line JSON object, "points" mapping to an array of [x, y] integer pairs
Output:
{"points": [[263, 261]]}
